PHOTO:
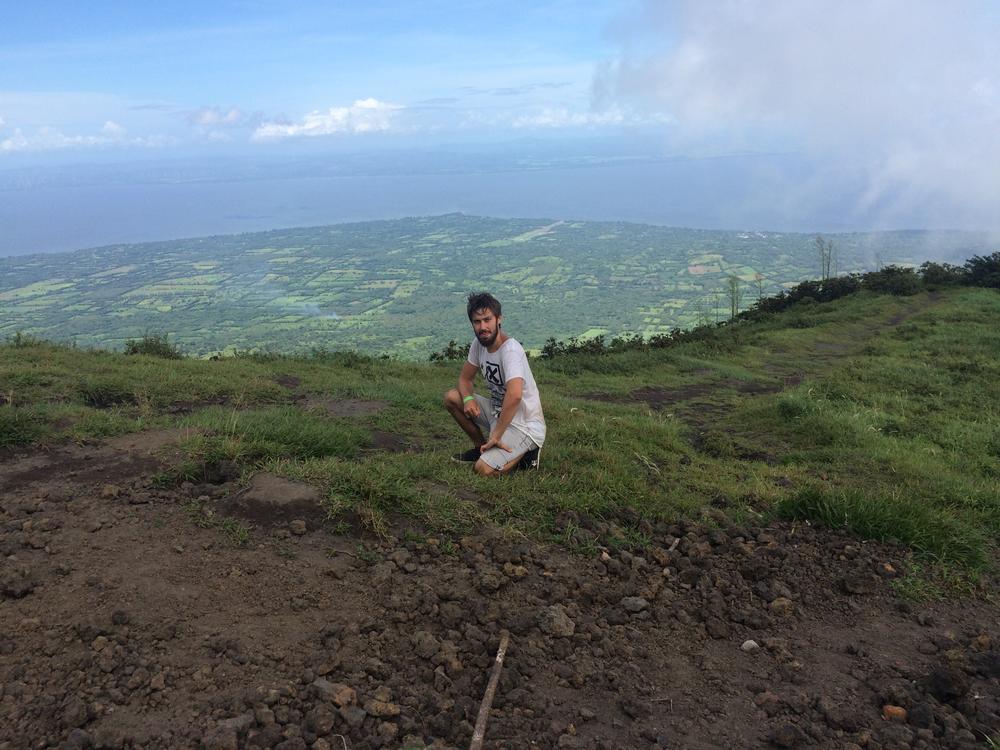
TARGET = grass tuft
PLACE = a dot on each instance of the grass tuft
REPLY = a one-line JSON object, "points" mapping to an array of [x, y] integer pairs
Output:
{"points": [[936, 532], [19, 426]]}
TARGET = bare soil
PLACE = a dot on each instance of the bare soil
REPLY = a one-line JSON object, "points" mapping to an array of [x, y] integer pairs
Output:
{"points": [[345, 407], [126, 624]]}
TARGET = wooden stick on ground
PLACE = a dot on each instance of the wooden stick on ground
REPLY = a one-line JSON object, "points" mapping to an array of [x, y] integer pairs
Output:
{"points": [[484, 708]]}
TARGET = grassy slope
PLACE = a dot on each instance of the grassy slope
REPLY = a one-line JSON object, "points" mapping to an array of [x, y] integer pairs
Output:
{"points": [[876, 412]]}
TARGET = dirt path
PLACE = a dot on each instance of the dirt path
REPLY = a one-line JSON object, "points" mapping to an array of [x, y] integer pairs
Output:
{"points": [[123, 623]]}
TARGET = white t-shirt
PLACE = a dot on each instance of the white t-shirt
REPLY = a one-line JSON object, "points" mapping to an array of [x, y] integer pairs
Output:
{"points": [[506, 363]]}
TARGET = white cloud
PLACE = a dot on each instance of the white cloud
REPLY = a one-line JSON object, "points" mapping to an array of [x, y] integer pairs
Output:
{"points": [[364, 116], [216, 117], [48, 138], [906, 90], [113, 130]]}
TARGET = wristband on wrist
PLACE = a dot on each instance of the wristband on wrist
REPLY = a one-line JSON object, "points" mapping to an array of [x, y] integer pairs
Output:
{"points": [[467, 399]]}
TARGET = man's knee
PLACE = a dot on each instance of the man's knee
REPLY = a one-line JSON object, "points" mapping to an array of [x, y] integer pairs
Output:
{"points": [[483, 469], [451, 398]]}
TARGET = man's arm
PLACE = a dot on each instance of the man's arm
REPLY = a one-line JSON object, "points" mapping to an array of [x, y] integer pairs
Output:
{"points": [[511, 401], [465, 379]]}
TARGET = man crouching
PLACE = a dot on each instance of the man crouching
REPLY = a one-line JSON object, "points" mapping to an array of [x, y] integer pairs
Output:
{"points": [[512, 415]]}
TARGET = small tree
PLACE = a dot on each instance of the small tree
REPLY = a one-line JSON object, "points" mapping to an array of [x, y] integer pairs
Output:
{"points": [[758, 279], [984, 271], [827, 252], [735, 293]]}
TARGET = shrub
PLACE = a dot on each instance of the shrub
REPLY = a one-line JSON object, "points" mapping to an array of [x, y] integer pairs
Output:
{"points": [[19, 426], [153, 345], [892, 280], [983, 271], [452, 352], [941, 274]]}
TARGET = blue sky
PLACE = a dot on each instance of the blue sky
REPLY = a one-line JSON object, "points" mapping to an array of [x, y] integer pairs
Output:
{"points": [[258, 71], [899, 97]]}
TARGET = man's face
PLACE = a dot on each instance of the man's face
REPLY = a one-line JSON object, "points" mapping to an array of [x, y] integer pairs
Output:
{"points": [[487, 326]]}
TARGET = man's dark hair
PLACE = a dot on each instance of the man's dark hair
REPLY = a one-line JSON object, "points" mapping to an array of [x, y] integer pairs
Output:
{"points": [[483, 301]]}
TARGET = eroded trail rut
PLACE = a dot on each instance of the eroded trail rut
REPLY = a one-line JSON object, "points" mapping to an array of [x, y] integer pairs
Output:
{"points": [[124, 624]]}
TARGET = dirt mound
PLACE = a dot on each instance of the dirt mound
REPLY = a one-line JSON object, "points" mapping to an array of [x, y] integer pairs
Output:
{"points": [[124, 624], [392, 442], [658, 398], [273, 501]]}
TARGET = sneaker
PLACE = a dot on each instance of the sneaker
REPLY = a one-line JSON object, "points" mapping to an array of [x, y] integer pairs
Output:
{"points": [[531, 459], [470, 456]]}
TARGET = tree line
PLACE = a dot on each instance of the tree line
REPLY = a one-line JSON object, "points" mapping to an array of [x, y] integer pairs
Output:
{"points": [[978, 271]]}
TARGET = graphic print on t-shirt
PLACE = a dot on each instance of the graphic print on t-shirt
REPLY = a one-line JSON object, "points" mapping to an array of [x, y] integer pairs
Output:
{"points": [[491, 371]]}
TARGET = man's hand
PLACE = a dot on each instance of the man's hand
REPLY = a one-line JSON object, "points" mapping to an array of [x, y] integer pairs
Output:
{"points": [[471, 408], [491, 443]]}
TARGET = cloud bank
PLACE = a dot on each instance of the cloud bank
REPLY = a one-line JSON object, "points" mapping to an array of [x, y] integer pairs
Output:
{"points": [[48, 138], [905, 92], [364, 116]]}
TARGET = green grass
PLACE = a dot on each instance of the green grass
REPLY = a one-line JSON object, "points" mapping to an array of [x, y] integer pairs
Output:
{"points": [[945, 534], [203, 516], [888, 426], [278, 431], [19, 426]]}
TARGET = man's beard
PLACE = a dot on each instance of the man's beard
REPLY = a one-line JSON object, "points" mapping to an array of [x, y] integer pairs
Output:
{"points": [[489, 342]]}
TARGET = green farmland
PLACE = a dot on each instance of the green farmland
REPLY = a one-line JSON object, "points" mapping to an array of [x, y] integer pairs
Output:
{"points": [[398, 286]]}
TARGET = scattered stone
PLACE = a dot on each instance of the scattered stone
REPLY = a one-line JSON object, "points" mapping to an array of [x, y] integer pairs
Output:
{"points": [[554, 621], [354, 716], [887, 570], [982, 642], [297, 527], [321, 720], [787, 735], [515, 571], [400, 557], [16, 585], [893, 713], [239, 724], [782, 607], [339, 694], [634, 604], [381, 708], [716, 628], [860, 583], [947, 683], [425, 645], [750, 647]]}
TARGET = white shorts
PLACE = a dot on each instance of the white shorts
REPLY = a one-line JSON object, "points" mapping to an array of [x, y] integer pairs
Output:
{"points": [[516, 439]]}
